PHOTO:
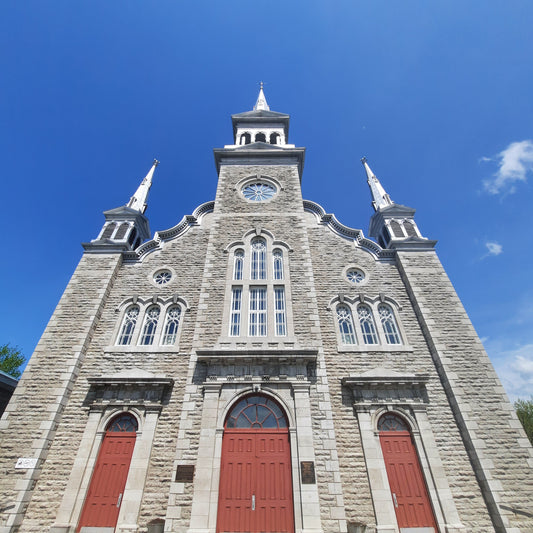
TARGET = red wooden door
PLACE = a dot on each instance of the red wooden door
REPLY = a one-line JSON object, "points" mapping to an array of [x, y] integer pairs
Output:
{"points": [[407, 485], [255, 493], [110, 473]]}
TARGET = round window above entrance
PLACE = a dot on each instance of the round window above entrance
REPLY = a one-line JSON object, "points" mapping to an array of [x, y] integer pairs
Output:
{"points": [[256, 412], [259, 191]]}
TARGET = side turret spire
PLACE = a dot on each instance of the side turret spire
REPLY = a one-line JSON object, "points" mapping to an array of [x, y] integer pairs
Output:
{"points": [[138, 200], [380, 198], [261, 104]]}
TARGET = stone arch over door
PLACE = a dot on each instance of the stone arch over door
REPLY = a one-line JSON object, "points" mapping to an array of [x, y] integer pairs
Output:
{"points": [[256, 489]]}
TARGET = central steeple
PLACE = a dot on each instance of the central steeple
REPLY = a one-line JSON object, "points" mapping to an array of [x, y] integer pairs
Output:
{"points": [[261, 104]]}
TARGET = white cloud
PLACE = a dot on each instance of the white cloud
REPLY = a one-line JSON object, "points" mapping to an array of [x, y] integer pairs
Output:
{"points": [[494, 248], [514, 164], [515, 369]]}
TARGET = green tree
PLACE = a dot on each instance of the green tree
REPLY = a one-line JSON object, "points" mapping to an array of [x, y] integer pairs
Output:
{"points": [[524, 410], [10, 360]]}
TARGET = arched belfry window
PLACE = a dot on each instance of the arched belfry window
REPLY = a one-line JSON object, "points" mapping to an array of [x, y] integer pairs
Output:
{"points": [[274, 138], [388, 321], [246, 138], [256, 412], [108, 231], [128, 325], [258, 264], [260, 137]]}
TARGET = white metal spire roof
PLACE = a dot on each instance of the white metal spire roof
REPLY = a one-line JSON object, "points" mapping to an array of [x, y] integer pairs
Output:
{"points": [[380, 198], [138, 200], [261, 104]]}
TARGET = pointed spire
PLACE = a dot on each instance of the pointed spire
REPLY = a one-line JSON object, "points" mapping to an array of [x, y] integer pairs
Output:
{"points": [[138, 200], [380, 198], [261, 104]]}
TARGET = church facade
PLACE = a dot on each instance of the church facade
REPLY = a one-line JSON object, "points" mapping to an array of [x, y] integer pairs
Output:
{"points": [[260, 367]]}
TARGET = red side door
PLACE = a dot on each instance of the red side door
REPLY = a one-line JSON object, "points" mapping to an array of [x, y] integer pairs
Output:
{"points": [[109, 479], [255, 482], [407, 485]]}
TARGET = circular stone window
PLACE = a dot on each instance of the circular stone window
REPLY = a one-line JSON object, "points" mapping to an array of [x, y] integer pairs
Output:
{"points": [[259, 191], [355, 276], [162, 277]]}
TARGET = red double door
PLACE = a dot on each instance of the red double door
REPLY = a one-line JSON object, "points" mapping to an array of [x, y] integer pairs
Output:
{"points": [[407, 485], [108, 481], [255, 482]]}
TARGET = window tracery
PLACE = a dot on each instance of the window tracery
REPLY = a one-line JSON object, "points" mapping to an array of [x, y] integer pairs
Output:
{"points": [[366, 322], [172, 323], [128, 325], [345, 322], [390, 328], [151, 319]]}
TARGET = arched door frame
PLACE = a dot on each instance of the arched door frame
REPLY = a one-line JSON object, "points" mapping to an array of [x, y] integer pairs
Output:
{"points": [[444, 509], [293, 397]]}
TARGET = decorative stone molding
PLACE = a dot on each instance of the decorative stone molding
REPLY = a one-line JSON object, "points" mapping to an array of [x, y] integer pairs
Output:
{"points": [[355, 235], [129, 388]]}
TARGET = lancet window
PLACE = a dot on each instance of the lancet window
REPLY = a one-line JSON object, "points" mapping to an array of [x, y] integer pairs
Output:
{"points": [[356, 324], [128, 325], [160, 323]]}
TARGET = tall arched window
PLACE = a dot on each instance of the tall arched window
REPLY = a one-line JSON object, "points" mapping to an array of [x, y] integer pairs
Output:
{"points": [[172, 322], [277, 256], [345, 321], [150, 325], [238, 263], [258, 264], [128, 325], [366, 322], [388, 322]]}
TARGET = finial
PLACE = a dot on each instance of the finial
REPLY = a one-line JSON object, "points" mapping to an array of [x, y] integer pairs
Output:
{"points": [[363, 160], [155, 162], [261, 84]]}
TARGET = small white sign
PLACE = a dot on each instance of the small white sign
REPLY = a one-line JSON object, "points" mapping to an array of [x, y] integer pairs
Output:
{"points": [[26, 462]]}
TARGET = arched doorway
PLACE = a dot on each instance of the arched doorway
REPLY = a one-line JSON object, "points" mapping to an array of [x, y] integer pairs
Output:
{"points": [[255, 492], [406, 481], [106, 489]]}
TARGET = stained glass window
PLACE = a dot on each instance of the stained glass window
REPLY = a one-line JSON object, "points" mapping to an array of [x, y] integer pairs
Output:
{"points": [[259, 192], [128, 325], [258, 265], [150, 325], [124, 423], [388, 322], [281, 320], [345, 321], [235, 317], [392, 422], [366, 322], [256, 412], [257, 319], [278, 264], [172, 323], [355, 276], [238, 263]]}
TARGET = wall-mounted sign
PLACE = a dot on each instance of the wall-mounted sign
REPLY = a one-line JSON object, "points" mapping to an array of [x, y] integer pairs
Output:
{"points": [[26, 462], [185, 473], [308, 472]]}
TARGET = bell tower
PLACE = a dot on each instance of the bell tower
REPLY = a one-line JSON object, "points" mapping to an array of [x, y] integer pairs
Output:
{"points": [[392, 225]]}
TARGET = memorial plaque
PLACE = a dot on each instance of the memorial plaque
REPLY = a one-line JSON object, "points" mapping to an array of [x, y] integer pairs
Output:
{"points": [[185, 473], [308, 472]]}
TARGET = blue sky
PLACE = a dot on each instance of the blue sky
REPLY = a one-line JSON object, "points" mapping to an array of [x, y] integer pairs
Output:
{"points": [[437, 96]]}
